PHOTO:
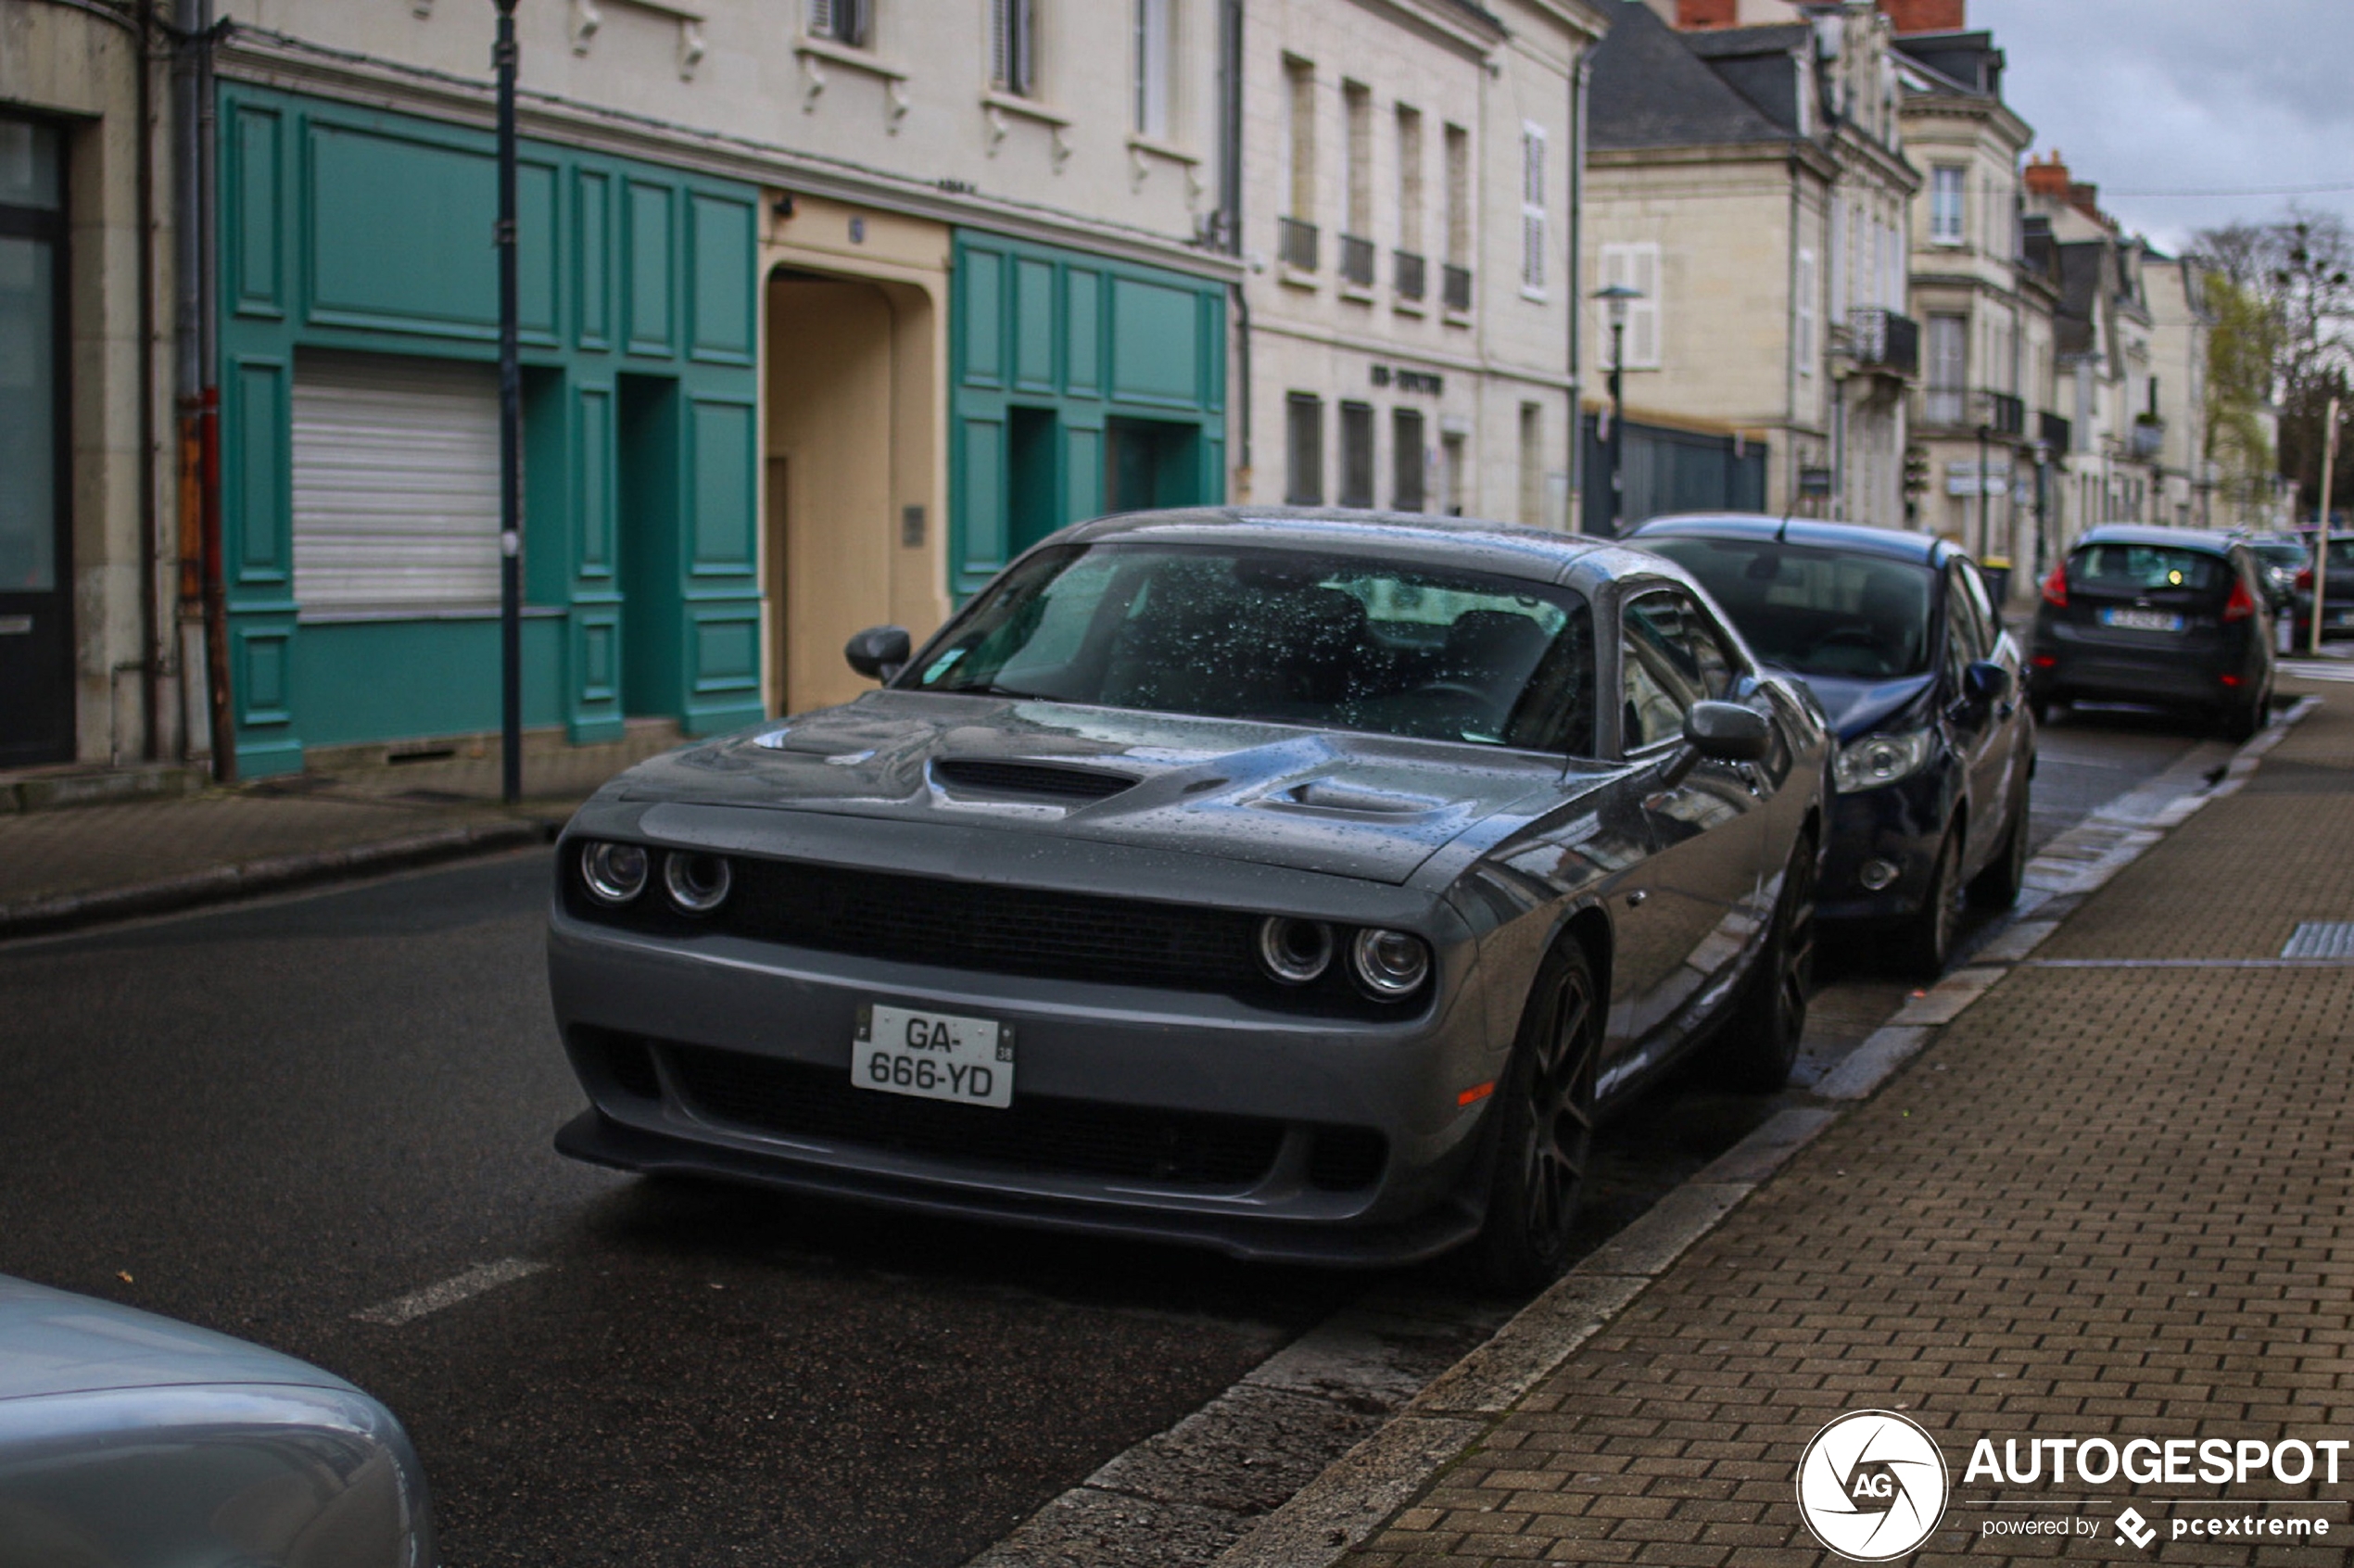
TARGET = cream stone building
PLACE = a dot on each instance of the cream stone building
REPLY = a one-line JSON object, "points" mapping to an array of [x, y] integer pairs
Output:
{"points": [[89, 541], [1748, 177], [1410, 175]]}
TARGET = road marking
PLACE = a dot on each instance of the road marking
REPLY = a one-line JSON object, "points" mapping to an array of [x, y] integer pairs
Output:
{"points": [[449, 1293], [2187, 963], [2313, 669]]}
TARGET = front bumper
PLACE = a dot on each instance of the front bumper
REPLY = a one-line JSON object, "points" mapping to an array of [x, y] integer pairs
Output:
{"points": [[1903, 823], [1109, 1058]]}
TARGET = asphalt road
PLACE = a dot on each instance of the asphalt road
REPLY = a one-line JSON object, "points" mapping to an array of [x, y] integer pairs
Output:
{"points": [[268, 1118]]}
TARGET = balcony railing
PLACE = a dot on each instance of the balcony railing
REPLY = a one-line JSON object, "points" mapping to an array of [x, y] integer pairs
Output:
{"points": [[2055, 433], [1356, 260], [1885, 340], [1296, 244], [1455, 283], [1409, 271], [2006, 416]]}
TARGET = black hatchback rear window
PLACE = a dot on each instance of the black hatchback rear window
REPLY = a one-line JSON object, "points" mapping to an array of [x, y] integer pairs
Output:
{"points": [[2142, 568]]}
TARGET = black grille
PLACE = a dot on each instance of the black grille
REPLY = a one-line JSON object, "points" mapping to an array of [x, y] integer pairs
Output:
{"points": [[1030, 778], [1345, 1158], [999, 930], [1036, 1133]]}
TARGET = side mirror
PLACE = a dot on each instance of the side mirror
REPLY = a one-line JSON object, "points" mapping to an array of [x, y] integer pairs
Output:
{"points": [[879, 652], [1728, 732], [1986, 681]]}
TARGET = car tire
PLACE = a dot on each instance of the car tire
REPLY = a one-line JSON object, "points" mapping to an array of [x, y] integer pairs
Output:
{"points": [[2242, 720], [1759, 1044], [1544, 1134], [1999, 885], [1924, 944]]}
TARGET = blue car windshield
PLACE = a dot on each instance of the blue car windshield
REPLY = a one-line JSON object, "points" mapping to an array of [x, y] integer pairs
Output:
{"points": [[1287, 636], [1815, 612]]}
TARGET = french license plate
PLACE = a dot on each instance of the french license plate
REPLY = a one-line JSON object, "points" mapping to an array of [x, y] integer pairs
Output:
{"points": [[2142, 620], [933, 1055]]}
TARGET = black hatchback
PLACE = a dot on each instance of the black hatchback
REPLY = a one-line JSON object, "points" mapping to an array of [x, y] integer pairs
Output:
{"points": [[2165, 617], [1897, 638]]}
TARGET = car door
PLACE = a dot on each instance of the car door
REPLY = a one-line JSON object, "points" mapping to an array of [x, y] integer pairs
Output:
{"points": [[1981, 732], [1701, 821]]}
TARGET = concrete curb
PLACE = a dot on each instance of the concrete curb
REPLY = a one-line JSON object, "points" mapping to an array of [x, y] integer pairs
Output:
{"points": [[1358, 1496], [217, 884]]}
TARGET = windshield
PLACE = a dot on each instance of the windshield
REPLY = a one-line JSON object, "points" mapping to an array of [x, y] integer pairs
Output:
{"points": [[1816, 611], [2280, 553], [1327, 641]]}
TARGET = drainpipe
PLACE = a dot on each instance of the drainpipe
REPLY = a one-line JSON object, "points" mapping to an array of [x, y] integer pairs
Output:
{"points": [[203, 616], [1581, 75], [1230, 204], [151, 634]]}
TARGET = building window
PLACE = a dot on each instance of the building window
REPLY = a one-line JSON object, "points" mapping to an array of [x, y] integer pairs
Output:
{"points": [[1410, 201], [1304, 450], [844, 21], [1802, 317], [1532, 210], [1457, 283], [1357, 455], [1300, 77], [1948, 367], [1451, 495], [1948, 194], [1635, 267], [1013, 46], [1356, 183], [1154, 59], [1407, 459]]}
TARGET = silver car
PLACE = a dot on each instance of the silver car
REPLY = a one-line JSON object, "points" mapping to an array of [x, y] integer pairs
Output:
{"points": [[1301, 885], [129, 1440]]}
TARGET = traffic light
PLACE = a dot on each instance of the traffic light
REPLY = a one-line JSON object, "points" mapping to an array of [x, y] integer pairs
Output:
{"points": [[1915, 471]]}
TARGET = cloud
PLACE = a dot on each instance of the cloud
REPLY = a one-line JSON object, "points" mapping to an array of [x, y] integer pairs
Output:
{"points": [[2164, 96]]}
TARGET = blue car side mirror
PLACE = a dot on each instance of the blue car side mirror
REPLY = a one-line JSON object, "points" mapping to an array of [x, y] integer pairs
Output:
{"points": [[1986, 681]]}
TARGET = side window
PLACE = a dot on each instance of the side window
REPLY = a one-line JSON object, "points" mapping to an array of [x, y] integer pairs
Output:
{"points": [[1990, 629], [1966, 638], [1660, 677]]}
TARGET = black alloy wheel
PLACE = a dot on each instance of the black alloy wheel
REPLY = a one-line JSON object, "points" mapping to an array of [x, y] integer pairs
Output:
{"points": [[2243, 720], [2005, 879], [1927, 941], [1759, 1047], [1545, 1135]]}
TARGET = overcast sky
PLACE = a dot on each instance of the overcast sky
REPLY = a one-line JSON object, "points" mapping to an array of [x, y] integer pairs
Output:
{"points": [[2149, 96]]}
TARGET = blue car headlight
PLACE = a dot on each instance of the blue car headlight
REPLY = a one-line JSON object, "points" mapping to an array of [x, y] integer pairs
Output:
{"points": [[1874, 760]]}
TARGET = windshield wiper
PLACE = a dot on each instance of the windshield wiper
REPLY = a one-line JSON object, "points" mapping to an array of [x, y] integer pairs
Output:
{"points": [[992, 689]]}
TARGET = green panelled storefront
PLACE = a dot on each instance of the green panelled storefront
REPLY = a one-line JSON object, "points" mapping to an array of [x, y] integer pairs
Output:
{"points": [[352, 231], [1077, 385]]}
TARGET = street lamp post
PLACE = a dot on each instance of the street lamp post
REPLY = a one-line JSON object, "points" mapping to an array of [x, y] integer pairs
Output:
{"points": [[1615, 298]]}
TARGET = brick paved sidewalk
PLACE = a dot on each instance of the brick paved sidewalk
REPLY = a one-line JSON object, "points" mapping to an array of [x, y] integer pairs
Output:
{"points": [[2109, 1201], [277, 830]]}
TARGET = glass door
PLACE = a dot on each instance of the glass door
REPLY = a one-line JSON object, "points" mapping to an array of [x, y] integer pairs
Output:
{"points": [[36, 625]]}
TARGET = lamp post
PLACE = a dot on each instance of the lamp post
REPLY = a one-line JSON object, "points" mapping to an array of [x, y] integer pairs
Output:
{"points": [[1615, 298]]}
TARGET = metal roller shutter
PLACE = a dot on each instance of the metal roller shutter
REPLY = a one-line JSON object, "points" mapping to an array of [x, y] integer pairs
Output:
{"points": [[396, 486]]}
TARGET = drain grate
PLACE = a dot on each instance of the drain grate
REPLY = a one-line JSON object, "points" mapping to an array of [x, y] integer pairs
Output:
{"points": [[2321, 939]]}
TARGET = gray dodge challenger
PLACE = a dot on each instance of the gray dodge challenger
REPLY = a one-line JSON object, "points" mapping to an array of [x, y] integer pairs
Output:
{"points": [[1299, 884]]}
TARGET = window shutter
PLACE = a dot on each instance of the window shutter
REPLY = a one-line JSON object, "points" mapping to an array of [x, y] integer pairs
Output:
{"points": [[821, 19], [1532, 208], [1803, 321], [1642, 316]]}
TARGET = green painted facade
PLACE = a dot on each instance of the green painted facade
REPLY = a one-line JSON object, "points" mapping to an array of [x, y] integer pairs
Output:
{"points": [[352, 229], [1077, 385]]}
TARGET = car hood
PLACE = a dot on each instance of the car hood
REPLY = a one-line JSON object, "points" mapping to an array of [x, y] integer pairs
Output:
{"points": [[54, 1342], [1858, 707], [1359, 805]]}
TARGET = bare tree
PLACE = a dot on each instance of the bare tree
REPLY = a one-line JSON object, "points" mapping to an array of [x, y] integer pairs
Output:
{"points": [[2298, 272]]}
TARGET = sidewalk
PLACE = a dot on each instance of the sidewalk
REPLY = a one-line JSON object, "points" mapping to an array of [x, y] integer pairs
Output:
{"points": [[2110, 1199], [78, 864]]}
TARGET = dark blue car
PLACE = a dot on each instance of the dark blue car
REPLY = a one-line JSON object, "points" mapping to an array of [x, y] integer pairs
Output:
{"points": [[1897, 637]]}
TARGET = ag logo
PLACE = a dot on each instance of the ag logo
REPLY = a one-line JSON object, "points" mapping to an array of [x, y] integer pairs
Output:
{"points": [[1872, 1486]]}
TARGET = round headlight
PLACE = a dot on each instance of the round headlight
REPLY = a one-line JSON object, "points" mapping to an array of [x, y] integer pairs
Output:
{"points": [[698, 884], [615, 872], [1391, 965], [1295, 951]]}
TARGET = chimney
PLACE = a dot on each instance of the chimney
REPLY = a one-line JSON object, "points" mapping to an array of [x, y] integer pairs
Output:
{"points": [[1698, 16], [2049, 177], [1926, 16]]}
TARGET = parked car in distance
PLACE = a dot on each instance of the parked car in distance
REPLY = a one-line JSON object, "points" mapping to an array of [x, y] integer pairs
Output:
{"points": [[1896, 635], [1300, 885], [134, 1441], [2338, 597], [2282, 558], [2167, 617]]}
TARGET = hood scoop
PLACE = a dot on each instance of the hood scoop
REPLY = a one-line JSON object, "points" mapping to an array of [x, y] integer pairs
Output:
{"points": [[1028, 781]]}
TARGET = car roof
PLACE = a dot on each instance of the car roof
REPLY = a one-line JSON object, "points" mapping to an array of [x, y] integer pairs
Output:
{"points": [[1856, 538], [1471, 543], [2148, 534]]}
